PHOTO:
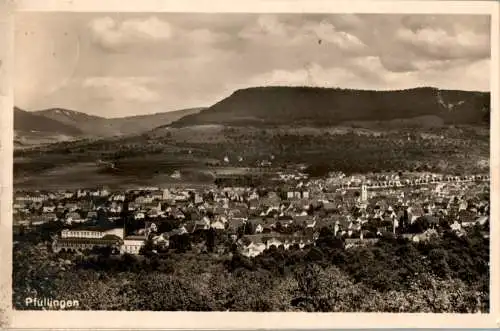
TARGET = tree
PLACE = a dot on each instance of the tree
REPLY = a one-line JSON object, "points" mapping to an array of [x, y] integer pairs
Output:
{"points": [[148, 248], [211, 240], [328, 241]]}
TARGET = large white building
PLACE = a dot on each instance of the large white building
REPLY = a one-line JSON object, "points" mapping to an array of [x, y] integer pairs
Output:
{"points": [[86, 238], [91, 233]]}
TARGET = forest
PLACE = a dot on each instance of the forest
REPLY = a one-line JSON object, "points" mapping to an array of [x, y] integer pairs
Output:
{"points": [[316, 106], [447, 274]]}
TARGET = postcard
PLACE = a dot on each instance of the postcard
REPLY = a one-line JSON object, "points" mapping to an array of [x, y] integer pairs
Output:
{"points": [[249, 165]]}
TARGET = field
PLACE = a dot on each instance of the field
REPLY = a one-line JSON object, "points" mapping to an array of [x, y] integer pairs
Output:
{"points": [[199, 152]]}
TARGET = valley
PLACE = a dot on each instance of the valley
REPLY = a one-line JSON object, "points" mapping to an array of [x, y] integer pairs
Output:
{"points": [[157, 154], [352, 131]]}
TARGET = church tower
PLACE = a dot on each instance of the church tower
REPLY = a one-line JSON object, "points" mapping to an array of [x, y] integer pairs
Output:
{"points": [[364, 193]]}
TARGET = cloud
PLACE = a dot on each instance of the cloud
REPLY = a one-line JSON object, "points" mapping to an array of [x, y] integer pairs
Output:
{"points": [[139, 63], [370, 73], [328, 33], [443, 44], [395, 63], [272, 30], [205, 36], [265, 26], [311, 75], [133, 89], [113, 35]]}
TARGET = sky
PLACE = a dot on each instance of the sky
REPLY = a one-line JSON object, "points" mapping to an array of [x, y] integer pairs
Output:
{"points": [[116, 65]]}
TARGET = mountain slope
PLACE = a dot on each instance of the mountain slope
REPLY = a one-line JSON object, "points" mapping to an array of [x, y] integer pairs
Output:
{"points": [[264, 106], [97, 126], [35, 123], [143, 123], [70, 117]]}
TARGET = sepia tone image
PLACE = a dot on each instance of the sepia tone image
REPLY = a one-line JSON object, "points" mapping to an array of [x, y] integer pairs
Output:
{"points": [[252, 162]]}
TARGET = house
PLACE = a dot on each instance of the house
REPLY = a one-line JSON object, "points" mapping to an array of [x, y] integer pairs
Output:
{"points": [[153, 213], [198, 199], [48, 217], [157, 195], [217, 225], [179, 231], [253, 204], [415, 212], [202, 224], [177, 214], [274, 241], [132, 206], [297, 194], [263, 225], [20, 205], [142, 200], [456, 227], [238, 212], [49, 209], [359, 242], [132, 244], [71, 206], [329, 207], [74, 217], [162, 240], [115, 207], [139, 215], [253, 196], [117, 197], [181, 197], [284, 222], [68, 195], [310, 223], [221, 218], [482, 220], [38, 220], [234, 223], [252, 245], [426, 236], [100, 193]]}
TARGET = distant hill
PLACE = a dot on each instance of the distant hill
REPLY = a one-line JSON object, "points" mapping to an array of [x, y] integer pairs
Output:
{"points": [[70, 117], [143, 123], [269, 106], [105, 127], [29, 122]]}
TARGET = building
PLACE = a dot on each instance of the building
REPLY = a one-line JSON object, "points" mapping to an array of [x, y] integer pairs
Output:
{"points": [[87, 238], [82, 244], [91, 233], [297, 195], [364, 193], [166, 195], [132, 244]]}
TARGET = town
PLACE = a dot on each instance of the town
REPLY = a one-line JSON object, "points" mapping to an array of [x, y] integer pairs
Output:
{"points": [[359, 209]]}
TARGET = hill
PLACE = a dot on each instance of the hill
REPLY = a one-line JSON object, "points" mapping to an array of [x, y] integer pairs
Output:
{"points": [[69, 117], [271, 106], [96, 126], [138, 124], [58, 124], [28, 122]]}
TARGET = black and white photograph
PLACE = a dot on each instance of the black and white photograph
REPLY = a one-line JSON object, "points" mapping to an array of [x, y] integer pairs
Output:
{"points": [[251, 162]]}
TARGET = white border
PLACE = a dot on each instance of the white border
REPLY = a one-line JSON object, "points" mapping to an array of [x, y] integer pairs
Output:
{"points": [[184, 320]]}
